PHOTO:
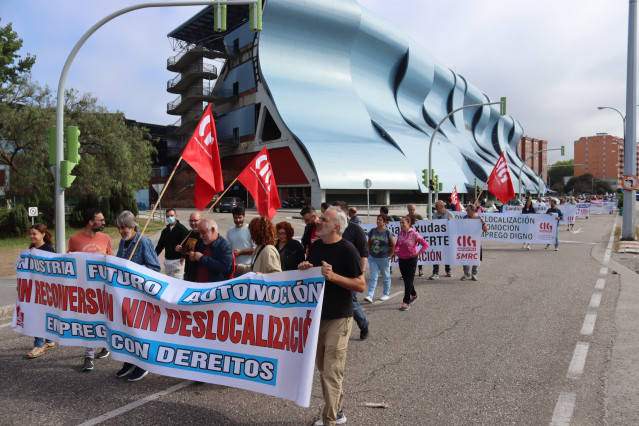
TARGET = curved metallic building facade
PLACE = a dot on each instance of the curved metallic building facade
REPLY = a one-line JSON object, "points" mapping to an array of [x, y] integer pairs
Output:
{"points": [[362, 100]]}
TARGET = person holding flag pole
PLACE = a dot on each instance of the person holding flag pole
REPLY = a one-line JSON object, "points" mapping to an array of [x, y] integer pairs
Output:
{"points": [[203, 155]]}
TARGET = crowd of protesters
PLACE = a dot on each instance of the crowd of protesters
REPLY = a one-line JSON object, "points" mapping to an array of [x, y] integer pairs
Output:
{"points": [[333, 241]]}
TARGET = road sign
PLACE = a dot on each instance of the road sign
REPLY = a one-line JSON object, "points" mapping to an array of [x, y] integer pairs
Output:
{"points": [[33, 212], [367, 183], [629, 182]]}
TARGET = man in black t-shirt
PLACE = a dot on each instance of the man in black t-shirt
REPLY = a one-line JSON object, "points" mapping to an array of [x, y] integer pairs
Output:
{"points": [[342, 270]]}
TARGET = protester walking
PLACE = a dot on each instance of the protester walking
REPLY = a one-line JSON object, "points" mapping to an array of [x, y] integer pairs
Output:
{"points": [[41, 239], [528, 209], [290, 250], [553, 210], [381, 246], [265, 258], [406, 248], [471, 213]]}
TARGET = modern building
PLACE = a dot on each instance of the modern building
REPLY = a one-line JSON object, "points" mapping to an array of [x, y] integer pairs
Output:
{"points": [[602, 156], [338, 96], [532, 151]]}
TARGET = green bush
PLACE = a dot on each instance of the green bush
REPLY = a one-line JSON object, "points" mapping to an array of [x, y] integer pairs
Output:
{"points": [[17, 222]]}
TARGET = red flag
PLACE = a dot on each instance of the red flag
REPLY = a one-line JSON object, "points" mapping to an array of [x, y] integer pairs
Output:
{"points": [[499, 182], [203, 155], [454, 199], [258, 179]]}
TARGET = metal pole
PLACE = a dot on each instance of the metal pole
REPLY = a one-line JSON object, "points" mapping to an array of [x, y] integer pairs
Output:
{"points": [[430, 149], [60, 239], [629, 222], [368, 206], [521, 168]]}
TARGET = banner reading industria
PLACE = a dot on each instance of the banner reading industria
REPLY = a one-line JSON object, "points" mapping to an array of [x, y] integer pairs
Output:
{"points": [[255, 332]]}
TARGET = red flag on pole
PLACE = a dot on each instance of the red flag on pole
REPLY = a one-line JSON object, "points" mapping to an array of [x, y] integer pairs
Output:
{"points": [[454, 199], [203, 155], [499, 182], [258, 179]]}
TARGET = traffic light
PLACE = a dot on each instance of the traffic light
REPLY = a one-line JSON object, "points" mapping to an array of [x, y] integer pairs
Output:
{"points": [[437, 184], [73, 157], [563, 150], [52, 146], [425, 177], [255, 16], [219, 17], [502, 107], [431, 184]]}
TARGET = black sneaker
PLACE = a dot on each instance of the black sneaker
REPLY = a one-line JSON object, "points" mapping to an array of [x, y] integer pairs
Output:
{"points": [[88, 364], [137, 374], [126, 369], [102, 354], [363, 334]]}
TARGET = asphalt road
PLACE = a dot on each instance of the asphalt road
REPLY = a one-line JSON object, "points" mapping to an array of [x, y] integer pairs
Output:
{"points": [[513, 348]]}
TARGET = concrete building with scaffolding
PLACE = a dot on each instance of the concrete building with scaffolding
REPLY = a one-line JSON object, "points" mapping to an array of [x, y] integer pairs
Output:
{"points": [[338, 96]]}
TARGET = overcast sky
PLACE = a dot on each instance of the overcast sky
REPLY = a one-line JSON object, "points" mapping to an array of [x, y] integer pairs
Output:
{"points": [[555, 60]]}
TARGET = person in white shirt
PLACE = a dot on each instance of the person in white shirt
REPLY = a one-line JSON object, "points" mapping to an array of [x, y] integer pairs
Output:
{"points": [[240, 238]]}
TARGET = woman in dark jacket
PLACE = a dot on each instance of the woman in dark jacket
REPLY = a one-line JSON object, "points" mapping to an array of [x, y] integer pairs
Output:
{"points": [[40, 239], [528, 209], [291, 251]]}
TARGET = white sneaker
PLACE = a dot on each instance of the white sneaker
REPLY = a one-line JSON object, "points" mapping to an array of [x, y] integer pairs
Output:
{"points": [[368, 299], [556, 248], [384, 298], [473, 277], [527, 246], [341, 419]]}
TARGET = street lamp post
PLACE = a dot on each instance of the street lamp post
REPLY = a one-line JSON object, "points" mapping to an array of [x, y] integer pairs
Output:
{"points": [[630, 168], [59, 113], [521, 168], [502, 102]]}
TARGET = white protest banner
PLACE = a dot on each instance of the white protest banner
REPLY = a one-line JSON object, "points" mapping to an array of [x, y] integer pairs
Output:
{"points": [[583, 210], [601, 206], [570, 213], [452, 242], [255, 332], [522, 228], [539, 209]]}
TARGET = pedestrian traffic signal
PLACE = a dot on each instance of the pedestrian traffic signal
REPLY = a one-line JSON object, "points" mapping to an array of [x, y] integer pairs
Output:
{"points": [[563, 150], [431, 184], [219, 17], [73, 157], [255, 16], [502, 107]]}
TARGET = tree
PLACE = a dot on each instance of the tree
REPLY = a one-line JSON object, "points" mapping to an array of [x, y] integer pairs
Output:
{"points": [[114, 157], [587, 184], [557, 172], [12, 67]]}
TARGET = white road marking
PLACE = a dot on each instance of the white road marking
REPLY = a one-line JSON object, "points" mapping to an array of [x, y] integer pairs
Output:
{"points": [[135, 404], [606, 257], [563, 410], [601, 283], [576, 367], [595, 300], [5, 325], [589, 324], [603, 270], [578, 231]]}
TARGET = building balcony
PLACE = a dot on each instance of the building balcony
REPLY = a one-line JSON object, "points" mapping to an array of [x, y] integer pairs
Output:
{"points": [[189, 75], [187, 122], [190, 54], [187, 100]]}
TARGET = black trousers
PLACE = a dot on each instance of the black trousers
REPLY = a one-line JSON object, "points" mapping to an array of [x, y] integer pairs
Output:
{"points": [[407, 269]]}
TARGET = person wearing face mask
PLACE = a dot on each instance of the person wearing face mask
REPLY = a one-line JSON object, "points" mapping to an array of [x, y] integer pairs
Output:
{"points": [[92, 240], [172, 235], [144, 255]]}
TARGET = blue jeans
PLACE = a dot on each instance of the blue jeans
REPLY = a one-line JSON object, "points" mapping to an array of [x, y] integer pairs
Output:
{"points": [[38, 342], [377, 264], [436, 269], [358, 313]]}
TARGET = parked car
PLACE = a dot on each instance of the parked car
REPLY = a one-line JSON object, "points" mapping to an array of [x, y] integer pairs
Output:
{"points": [[229, 203]]}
